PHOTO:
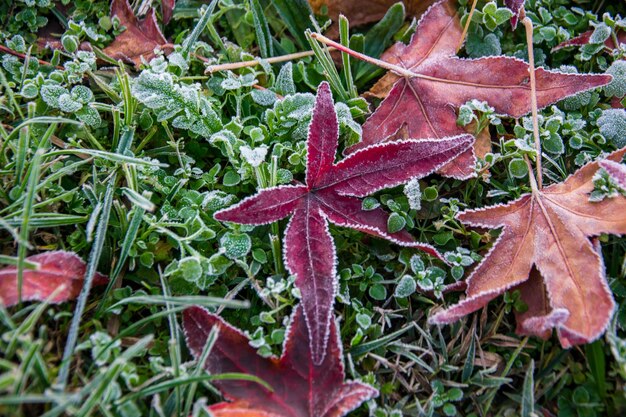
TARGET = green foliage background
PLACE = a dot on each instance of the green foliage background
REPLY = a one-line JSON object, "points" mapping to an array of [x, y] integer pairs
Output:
{"points": [[159, 150]]}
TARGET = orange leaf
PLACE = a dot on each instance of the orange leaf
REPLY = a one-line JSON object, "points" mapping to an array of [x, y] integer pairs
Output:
{"points": [[549, 230]]}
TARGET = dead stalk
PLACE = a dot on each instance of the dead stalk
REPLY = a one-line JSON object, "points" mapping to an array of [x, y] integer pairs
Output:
{"points": [[383, 64], [253, 63], [528, 25], [467, 24]]}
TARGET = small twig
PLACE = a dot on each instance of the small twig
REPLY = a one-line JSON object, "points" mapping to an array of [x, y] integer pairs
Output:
{"points": [[23, 56], [467, 25], [253, 63], [528, 25]]}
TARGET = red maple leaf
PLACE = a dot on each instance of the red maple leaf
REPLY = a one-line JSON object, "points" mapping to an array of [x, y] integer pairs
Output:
{"points": [[545, 252], [330, 195], [585, 37], [425, 105], [60, 273], [139, 39], [301, 387], [616, 170]]}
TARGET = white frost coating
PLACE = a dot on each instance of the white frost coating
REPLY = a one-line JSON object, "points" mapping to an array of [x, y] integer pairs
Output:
{"points": [[238, 205], [612, 125], [254, 156], [382, 145], [334, 282], [413, 193], [439, 317]]}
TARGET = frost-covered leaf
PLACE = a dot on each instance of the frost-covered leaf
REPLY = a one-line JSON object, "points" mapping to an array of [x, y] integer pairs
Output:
{"points": [[413, 194], [617, 87], [284, 84], [405, 287], [140, 38], [51, 92], [235, 245], [89, 116], [160, 92], [254, 156], [68, 104], [330, 194], [612, 125], [425, 105], [301, 387], [617, 171], [82, 94], [544, 251], [60, 273]]}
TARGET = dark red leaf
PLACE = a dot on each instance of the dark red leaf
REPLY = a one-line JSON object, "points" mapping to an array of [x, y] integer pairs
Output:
{"points": [[583, 39], [331, 195], [139, 39], [425, 106], [301, 388], [515, 6], [167, 9], [544, 251], [60, 273]]}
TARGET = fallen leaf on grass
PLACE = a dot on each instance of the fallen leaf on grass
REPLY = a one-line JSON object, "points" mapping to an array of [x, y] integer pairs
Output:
{"points": [[139, 39], [425, 105], [301, 388], [331, 194], [56, 269], [544, 251], [585, 37], [363, 12], [617, 171]]}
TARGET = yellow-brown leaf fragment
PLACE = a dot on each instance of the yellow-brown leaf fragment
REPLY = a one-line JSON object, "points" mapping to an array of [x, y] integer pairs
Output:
{"points": [[544, 250]]}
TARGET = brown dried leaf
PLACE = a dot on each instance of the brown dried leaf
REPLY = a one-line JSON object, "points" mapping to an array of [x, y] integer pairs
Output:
{"points": [[544, 251], [139, 39]]}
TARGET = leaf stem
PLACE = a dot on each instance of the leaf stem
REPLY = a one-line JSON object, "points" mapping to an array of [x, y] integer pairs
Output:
{"points": [[467, 25], [383, 64], [528, 25], [255, 62]]}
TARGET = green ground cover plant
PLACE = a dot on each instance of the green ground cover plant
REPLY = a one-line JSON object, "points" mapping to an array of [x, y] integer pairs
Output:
{"points": [[291, 208]]}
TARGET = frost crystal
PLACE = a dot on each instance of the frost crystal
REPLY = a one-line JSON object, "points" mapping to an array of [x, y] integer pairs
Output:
{"points": [[158, 91], [617, 87], [413, 194], [254, 156], [612, 125]]}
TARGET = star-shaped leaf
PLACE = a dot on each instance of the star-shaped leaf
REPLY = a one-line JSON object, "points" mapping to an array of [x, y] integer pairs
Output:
{"points": [[139, 39], [60, 273], [425, 105], [330, 194], [300, 387], [544, 251]]}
